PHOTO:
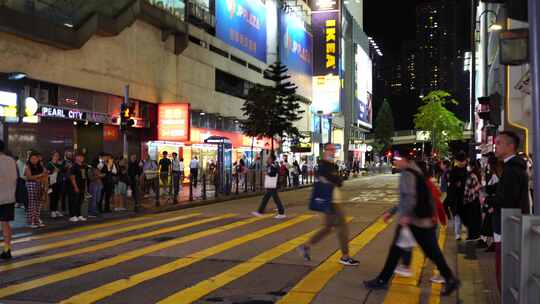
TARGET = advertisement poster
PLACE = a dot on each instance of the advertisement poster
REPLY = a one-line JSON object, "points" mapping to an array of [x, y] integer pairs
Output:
{"points": [[242, 24], [296, 52], [326, 92], [326, 42], [364, 84]]}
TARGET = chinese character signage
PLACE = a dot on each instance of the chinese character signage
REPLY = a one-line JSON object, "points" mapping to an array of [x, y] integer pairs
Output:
{"points": [[242, 24], [326, 38], [173, 122], [324, 5], [296, 52]]}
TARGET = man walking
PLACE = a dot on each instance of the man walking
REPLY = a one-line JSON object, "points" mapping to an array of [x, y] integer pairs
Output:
{"points": [[335, 218], [194, 170], [177, 175], [8, 184], [417, 212], [512, 190], [270, 183]]}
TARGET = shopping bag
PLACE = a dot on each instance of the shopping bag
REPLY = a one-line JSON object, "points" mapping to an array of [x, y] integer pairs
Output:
{"points": [[405, 239], [321, 197], [270, 182]]}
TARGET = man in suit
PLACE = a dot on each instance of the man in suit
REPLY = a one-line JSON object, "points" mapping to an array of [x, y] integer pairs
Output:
{"points": [[513, 189]]}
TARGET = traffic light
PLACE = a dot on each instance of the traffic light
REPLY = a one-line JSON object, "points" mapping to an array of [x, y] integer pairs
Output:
{"points": [[490, 109], [126, 112]]}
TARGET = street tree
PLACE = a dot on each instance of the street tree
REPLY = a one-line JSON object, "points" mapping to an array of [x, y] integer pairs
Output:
{"points": [[271, 111], [384, 128], [442, 125]]}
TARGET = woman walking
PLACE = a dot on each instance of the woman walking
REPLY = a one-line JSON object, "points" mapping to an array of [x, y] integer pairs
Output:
{"points": [[36, 177], [55, 167]]}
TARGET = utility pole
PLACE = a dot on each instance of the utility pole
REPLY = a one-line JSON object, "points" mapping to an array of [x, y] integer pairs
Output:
{"points": [[472, 116], [124, 133], [534, 44]]}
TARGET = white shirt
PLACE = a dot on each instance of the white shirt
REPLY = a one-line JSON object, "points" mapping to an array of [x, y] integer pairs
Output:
{"points": [[177, 165], [194, 164], [509, 158], [8, 179]]}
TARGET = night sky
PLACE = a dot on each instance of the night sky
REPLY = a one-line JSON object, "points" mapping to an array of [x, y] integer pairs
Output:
{"points": [[390, 22]]}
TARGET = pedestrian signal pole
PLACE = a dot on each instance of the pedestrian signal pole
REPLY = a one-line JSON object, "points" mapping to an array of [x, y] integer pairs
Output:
{"points": [[534, 45], [125, 106]]}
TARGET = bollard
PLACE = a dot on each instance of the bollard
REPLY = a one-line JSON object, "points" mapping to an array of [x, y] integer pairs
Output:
{"points": [[245, 182], [204, 187], [190, 188]]}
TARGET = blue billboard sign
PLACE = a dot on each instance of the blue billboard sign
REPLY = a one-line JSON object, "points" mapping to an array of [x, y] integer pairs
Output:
{"points": [[296, 52], [242, 24]]}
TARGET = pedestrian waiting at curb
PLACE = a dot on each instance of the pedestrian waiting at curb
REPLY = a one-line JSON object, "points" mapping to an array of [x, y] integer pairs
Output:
{"points": [[334, 215], [36, 178], [416, 212], [77, 188], [8, 184], [271, 184]]}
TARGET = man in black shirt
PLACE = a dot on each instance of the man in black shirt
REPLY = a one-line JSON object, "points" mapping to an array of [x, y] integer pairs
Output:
{"points": [[164, 169], [134, 173], [77, 188]]}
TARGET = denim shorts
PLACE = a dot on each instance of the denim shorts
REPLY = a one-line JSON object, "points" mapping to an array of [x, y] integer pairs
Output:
{"points": [[120, 188]]}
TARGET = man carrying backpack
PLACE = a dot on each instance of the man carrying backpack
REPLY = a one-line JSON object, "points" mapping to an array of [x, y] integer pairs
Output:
{"points": [[416, 211]]}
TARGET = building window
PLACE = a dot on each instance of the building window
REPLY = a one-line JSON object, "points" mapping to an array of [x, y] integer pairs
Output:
{"points": [[232, 85]]}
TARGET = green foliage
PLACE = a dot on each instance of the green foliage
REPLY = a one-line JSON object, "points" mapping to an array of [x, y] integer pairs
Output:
{"points": [[271, 111], [384, 128], [442, 124]]}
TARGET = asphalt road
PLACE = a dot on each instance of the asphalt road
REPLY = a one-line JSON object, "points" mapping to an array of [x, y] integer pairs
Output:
{"points": [[213, 254]]}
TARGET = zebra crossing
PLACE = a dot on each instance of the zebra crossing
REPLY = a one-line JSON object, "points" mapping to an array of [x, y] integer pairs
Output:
{"points": [[169, 258]]}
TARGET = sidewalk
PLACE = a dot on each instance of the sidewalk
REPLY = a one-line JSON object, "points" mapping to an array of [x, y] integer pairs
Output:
{"points": [[147, 206]]}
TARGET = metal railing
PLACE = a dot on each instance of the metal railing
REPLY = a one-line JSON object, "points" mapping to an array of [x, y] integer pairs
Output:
{"points": [[520, 257]]}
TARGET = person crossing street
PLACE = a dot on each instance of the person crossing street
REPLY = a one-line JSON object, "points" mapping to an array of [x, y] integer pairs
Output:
{"points": [[334, 217], [270, 183]]}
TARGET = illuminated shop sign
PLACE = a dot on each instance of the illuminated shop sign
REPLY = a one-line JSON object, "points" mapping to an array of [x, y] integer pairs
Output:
{"points": [[326, 38], [324, 5], [326, 92], [242, 24], [173, 122], [364, 84], [47, 111], [8, 104]]}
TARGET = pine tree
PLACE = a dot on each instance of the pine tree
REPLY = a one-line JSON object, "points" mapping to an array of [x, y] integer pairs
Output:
{"points": [[271, 111], [384, 128]]}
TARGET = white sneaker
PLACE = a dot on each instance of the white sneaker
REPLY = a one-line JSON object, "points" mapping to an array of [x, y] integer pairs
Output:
{"points": [[280, 216], [53, 214], [437, 279], [257, 214], [82, 218], [59, 214], [403, 271], [73, 219]]}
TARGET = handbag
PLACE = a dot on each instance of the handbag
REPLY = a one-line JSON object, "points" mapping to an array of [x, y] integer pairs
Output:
{"points": [[321, 197], [270, 182]]}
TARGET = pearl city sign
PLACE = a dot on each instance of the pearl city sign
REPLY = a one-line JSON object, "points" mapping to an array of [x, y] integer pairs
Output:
{"points": [[74, 114]]}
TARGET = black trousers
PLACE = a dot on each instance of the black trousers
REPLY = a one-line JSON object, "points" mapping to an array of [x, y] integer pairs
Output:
{"points": [[271, 193], [473, 218], [177, 183], [54, 196], [426, 238], [194, 175], [106, 195], [75, 203]]}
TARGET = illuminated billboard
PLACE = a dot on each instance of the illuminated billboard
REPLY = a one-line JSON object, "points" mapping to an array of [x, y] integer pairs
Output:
{"points": [[364, 87], [173, 122], [326, 92], [326, 42], [296, 52], [242, 24]]}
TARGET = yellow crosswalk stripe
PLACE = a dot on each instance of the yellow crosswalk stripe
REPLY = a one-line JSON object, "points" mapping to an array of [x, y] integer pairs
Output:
{"points": [[405, 290], [82, 229], [205, 287], [75, 272], [107, 290], [435, 296], [306, 290], [105, 245], [93, 236]]}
